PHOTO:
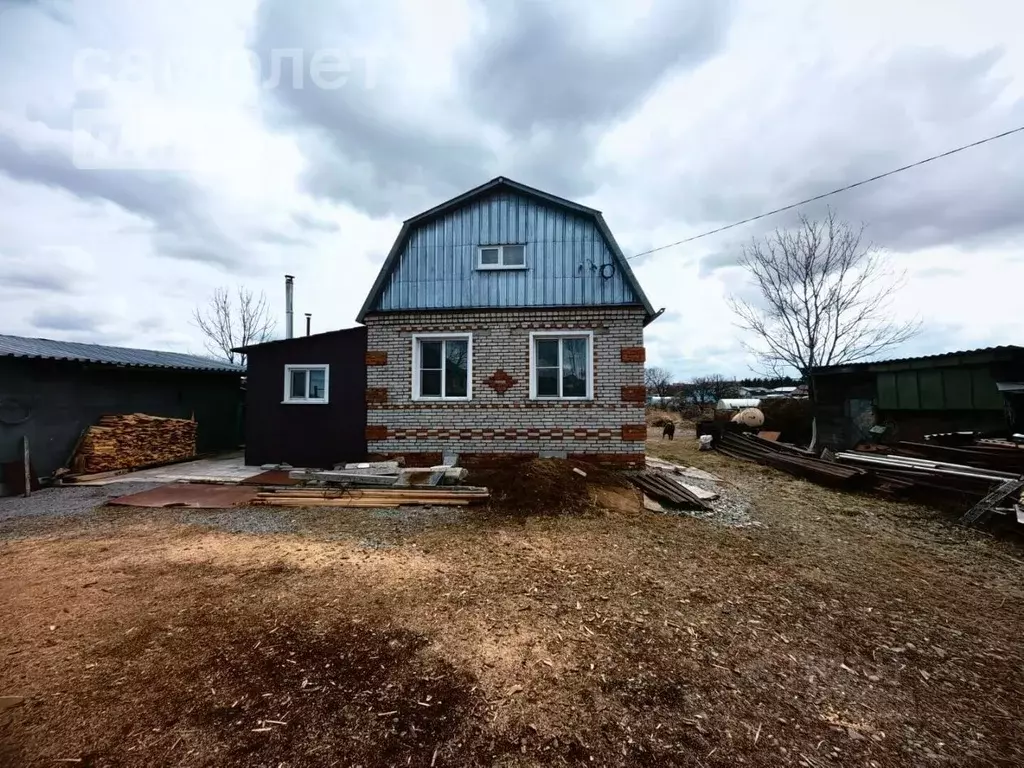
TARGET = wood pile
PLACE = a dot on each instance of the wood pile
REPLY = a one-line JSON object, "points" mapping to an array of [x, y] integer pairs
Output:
{"points": [[130, 441], [448, 496]]}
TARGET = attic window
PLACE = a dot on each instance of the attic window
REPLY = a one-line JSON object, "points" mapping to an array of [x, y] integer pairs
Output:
{"points": [[502, 257]]}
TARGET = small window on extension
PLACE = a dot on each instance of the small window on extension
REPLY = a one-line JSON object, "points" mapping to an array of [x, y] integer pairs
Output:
{"points": [[306, 384]]}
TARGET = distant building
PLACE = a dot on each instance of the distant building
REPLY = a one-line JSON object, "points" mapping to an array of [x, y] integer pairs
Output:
{"points": [[971, 390]]}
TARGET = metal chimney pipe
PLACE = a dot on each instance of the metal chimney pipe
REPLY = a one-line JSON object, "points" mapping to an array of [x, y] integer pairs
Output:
{"points": [[289, 299], [309, 318]]}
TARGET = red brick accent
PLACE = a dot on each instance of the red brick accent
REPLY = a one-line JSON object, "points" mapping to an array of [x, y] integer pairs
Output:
{"points": [[376, 432], [620, 460], [376, 358], [634, 394], [633, 355], [512, 433], [376, 394], [500, 381], [410, 459], [633, 432], [554, 405], [488, 460]]}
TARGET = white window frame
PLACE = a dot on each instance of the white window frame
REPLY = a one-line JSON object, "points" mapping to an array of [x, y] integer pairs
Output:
{"points": [[416, 339], [501, 256], [562, 334], [290, 400]]}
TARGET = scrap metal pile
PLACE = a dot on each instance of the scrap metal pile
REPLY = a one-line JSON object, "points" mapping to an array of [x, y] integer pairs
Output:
{"points": [[985, 477], [374, 484]]}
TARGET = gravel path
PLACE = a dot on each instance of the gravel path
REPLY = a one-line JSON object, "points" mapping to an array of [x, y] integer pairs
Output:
{"points": [[65, 501], [49, 507]]}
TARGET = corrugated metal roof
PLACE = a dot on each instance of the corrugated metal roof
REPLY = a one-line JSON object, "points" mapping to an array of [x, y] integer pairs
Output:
{"points": [[921, 358], [48, 349], [514, 285], [437, 268]]}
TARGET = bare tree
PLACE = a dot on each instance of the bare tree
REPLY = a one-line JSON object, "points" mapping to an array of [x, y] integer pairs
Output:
{"points": [[705, 390], [658, 381], [229, 321], [825, 298]]}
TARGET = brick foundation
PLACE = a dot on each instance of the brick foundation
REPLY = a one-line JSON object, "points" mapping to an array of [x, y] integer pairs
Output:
{"points": [[502, 420]]}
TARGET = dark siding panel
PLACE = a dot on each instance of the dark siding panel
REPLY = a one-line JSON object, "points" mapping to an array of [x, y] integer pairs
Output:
{"points": [[957, 384], [930, 384], [906, 390], [986, 394], [308, 435], [887, 395]]}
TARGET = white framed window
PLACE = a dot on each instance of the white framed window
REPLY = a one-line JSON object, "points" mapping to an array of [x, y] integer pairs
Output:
{"points": [[306, 384], [442, 366], [561, 365], [501, 257]]}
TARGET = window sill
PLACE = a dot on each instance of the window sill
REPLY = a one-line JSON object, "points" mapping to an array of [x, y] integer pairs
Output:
{"points": [[499, 268], [442, 399], [537, 399], [305, 402]]}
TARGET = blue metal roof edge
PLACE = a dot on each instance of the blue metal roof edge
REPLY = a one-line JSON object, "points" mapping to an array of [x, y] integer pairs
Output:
{"points": [[487, 188]]}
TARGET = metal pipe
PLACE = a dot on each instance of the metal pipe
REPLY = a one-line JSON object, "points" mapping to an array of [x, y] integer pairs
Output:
{"points": [[289, 290], [973, 472], [309, 317]]}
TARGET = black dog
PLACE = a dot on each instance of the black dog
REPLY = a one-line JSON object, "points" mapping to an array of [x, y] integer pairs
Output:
{"points": [[669, 431]]}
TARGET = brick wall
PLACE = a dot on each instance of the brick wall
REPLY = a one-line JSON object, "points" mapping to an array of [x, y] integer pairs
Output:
{"points": [[501, 418]]}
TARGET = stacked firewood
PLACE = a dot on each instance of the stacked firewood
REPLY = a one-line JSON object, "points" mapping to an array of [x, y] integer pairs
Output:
{"points": [[134, 440]]}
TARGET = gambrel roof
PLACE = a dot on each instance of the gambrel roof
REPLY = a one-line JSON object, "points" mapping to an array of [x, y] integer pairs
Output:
{"points": [[492, 187]]}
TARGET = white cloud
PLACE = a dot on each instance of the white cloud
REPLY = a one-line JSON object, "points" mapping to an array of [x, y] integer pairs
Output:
{"points": [[673, 119]]}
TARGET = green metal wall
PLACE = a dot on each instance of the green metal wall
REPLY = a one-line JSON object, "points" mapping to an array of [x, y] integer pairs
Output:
{"points": [[938, 389]]}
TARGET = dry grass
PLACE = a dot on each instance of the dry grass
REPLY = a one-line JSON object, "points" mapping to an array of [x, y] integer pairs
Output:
{"points": [[843, 631]]}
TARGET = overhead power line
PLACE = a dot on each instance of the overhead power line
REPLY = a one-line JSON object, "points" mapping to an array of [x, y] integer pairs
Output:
{"points": [[828, 194]]}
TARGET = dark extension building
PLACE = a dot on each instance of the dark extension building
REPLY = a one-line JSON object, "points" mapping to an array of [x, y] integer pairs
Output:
{"points": [[306, 400]]}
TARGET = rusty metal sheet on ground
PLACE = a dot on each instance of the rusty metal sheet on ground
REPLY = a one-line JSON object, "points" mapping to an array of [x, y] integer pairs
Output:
{"points": [[196, 496], [272, 477]]}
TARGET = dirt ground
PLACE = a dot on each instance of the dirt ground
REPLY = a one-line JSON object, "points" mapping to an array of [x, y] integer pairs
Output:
{"points": [[838, 630]]}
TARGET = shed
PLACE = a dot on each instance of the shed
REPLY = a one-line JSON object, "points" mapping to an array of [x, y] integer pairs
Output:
{"points": [[50, 391], [306, 400], [915, 396]]}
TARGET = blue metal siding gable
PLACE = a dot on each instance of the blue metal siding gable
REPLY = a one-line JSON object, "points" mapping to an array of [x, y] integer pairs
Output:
{"points": [[569, 262]]}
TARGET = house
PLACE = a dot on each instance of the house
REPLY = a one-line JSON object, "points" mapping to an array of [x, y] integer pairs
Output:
{"points": [[506, 322], [972, 390], [751, 392], [306, 399], [50, 391]]}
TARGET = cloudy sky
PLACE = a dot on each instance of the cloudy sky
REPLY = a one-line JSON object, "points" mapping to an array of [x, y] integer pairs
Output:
{"points": [[671, 117]]}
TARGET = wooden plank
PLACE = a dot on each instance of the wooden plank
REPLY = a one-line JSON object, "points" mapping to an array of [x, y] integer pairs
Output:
{"points": [[28, 466]]}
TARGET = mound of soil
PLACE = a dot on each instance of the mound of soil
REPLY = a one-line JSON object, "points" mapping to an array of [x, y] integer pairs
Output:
{"points": [[543, 487]]}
